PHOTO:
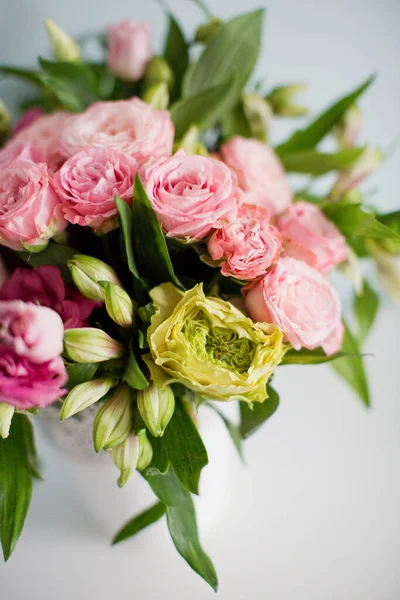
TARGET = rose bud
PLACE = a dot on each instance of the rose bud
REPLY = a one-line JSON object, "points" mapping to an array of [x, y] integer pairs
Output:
{"points": [[259, 115], [84, 395], [6, 415], [156, 407], [118, 304], [157, 96], [89, 344], [205, 32], [5, 119], [114, 420], [87, 271], [129, 49], [64, 47], [145, 451], [159, 71], [281, 100], [125, 457]]}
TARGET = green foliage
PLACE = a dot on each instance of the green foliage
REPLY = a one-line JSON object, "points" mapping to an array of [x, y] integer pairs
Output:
{"points": [[133, 374], [79, 373], [140, 522], [354, 221], [365, 307], [253, 418], [54, 254], [309, 357], [176, 54], [316, 163]]}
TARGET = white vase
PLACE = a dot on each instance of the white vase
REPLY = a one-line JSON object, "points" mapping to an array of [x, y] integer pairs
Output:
{"points": [[95, 474]]}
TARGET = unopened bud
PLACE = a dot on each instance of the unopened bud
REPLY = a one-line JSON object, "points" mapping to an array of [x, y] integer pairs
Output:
{"points": [[63, 46], [145, 451], [258, 113], [84, 395], [87, 271], [282, 100], [205, 32], [191, 143], [156, 407], [349, 128], [118, 304], [125, 457], [5, 119], [369, 160], [90, 345], [387, 269], [351, 269], [159, 71], [114, 420], [6, 415], [157, 95]]}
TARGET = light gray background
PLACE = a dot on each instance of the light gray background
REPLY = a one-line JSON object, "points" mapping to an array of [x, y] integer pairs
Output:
{"points": [[315, 515]]}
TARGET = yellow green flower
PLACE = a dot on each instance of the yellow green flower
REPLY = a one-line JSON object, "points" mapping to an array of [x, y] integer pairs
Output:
{"points": [[210, 346]]}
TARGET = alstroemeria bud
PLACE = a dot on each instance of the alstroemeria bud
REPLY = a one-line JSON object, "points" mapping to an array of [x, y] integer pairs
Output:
{"points": [[145, 451], [387, 269], [125, 457], [351, 269], [118, 304], [5, 119], [191, 143], [114, 419], [369, 160], [157, 95], [348, 129], [282, 99], [159, 71], [156, 407], [205, 32], [259, 115], [89, 344], [87, 271], [63, 46], [84, 395], [6, 415]]}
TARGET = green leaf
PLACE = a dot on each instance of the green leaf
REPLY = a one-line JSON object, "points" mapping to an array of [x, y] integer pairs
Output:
{"points": [[77, 76], [354, 222], [233, 430], [55, 254], [141, 521], [160, 461], [182, 525], [185, 449], [309, 357], [202, 110], [235, 122], [313, 162], [176, 52], [79, 373], [28, 75], [133, 374], [125, 222], [366, 308], [351, 368], [252, 419], [65, 95], [151, 249], [391, 220], [231, 53], [17, 469], [317, 130]]}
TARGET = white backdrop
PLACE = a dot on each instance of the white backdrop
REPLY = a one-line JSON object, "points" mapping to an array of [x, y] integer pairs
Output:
{"points": [[315, 514]]}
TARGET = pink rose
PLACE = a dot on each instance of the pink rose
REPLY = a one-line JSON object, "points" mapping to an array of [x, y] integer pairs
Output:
{"points": [[45, 286], [44, 132], [301, 302], [30, 116], [260, 173], [30, 210], [248, 246], [129, 49], [88, 183], [17, 151], [25, 384], [129, 126], [191, 194], [311, 237], [34, 332]]}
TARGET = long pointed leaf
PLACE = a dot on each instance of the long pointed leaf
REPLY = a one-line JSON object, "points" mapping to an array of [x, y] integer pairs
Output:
{"points": [[351, 368], [140, 522], [252, 419]]}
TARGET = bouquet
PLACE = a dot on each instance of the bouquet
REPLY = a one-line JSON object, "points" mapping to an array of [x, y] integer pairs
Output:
{"points": [[157, 257]]}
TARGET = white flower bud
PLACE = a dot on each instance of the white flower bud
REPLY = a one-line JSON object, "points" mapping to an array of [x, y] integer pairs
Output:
{"points": [[87, 271], [84, 395], [159, 71], [6, 415], [369, 160], [259, 114], [63, 46], [89, 344], [145, 451], [282, 99], [125, 457], [156, 407], [113, 420], [157, 96], [118, 304]]}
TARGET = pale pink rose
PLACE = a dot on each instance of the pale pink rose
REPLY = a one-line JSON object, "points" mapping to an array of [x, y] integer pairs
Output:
{"points": [[129, 126], [247, 246], [88, 183], [29, 117], [301, 302], [311, 237], [191, 195], [260, 173], [34, 332], [17, 151], [129, 49], [44, 133], [30, 210], [25, 384]]}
